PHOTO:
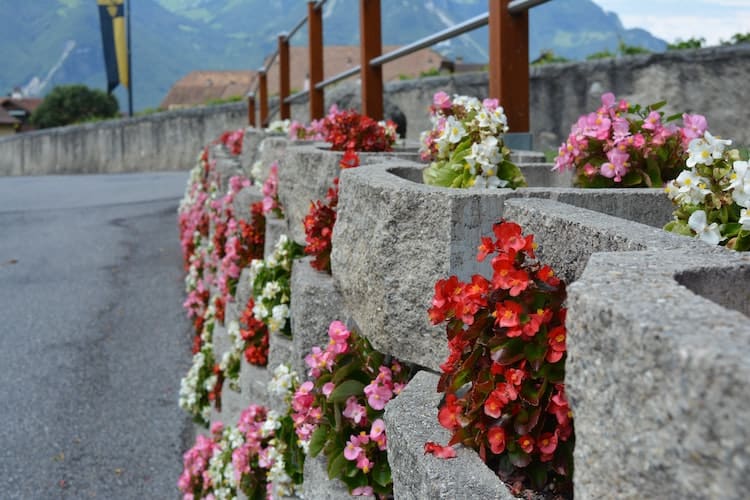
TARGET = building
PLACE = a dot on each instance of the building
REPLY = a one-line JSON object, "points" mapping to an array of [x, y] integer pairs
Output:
{"points": [[202, 87], [15, 114]]}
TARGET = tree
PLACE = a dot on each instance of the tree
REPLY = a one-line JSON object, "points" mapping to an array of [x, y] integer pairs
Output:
{"points": [[67, 104]]}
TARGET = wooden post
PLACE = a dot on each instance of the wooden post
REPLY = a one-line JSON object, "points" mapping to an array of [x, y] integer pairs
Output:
{"points": [[284, 108], [370, 47], [315, 43], [263, 91], [251, 109], [509, 63]]}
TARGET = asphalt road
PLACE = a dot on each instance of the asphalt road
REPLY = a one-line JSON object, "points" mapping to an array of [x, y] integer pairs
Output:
{"points": [[93, 339]]}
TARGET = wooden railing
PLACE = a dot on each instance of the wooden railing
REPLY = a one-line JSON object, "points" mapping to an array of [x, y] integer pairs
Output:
{"points": [[508, 66]]}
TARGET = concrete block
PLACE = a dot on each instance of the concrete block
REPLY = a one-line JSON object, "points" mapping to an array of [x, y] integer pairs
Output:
{"points": [[568, 235], [271, 149], [280, 351], [251, 140], [657, 375], [317, 484], [411, 421], [307, 171], [315, 303], [242, 201], [274, 229], [244, 289], [394, 238], [227, 165]]}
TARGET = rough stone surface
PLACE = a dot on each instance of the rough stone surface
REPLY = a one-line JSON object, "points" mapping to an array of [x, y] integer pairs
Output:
{"points": [[274, 229], [317, 485], [242, 201], [251, 140], [157, 142], [315, 304], [394, 238], [227, 165], [271, 149], [411, 421], [279, 351], [306, 172], [567, 235], [244, 289], [657, 377]]}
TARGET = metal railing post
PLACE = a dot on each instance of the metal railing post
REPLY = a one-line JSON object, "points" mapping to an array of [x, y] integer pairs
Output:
{"points": [[315, 44], [371, 46], [284, 107], [263, 91], [509, 63], [251, 109]]}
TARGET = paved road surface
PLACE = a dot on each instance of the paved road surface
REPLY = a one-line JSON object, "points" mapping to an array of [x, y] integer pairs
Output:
{"points": [[93, 340]]}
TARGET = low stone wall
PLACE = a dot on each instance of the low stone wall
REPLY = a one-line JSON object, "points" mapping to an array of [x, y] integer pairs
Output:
{"points": [[158, 142], [657, 329]]}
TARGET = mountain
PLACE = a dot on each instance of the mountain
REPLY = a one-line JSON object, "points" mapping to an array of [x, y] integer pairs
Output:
{"points": [[44, 43]]}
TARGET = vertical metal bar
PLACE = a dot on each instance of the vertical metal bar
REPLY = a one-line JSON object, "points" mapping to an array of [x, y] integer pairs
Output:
{"points": [[284, 107], [315, 43], [370, 47], [263, 91], [509, 63], [130, 63], [251, 109]]}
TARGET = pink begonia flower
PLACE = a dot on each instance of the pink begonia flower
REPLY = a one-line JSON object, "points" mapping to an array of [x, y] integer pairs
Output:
{"points": [[442, 100], [491, 103], [352, 450], [364, 463], [620, 129], [694, 127], [378, 428], [354, 410], [328, 388], [237, 182], [363, 491], [652, 121], [378, 396], [337, 332], [616, 167], [608, 99], [589, 169]]}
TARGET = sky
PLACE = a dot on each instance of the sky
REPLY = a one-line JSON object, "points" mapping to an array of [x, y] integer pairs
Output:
{"points": [[714, 20]]}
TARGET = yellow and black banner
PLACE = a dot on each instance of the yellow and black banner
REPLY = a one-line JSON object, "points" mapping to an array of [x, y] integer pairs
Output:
{"points": [[114, 41]]}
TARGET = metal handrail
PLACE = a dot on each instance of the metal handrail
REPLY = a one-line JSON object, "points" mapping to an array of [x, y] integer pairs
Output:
{"points": [[337, 78], [458, 29], [518, 6]]}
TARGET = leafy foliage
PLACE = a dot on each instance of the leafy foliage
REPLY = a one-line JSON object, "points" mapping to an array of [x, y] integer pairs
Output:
{"points": [[67, 104], [690, 43]]}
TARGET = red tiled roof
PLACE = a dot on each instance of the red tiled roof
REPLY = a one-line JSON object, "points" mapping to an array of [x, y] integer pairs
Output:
{"points": [[199, 87]]}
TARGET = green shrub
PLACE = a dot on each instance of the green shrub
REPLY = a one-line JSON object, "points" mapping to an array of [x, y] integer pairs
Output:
{"points": [[67, 104]]}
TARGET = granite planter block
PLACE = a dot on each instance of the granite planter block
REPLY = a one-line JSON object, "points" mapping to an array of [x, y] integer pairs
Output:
{"points": [[227, 165], [251, 141], [411, 421], [307, 171], [242, 201], [280, 351], [315, 304], [568, 235], [395, 237], [274, 229], [271, 149], [318, 486], [657, 375], [244, 289]]}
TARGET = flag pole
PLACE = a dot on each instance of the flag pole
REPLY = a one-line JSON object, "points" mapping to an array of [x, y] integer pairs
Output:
{"points": [[130, 65]]}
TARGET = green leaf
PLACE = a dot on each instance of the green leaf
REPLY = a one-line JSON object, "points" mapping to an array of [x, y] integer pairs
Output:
{"points": [[632, 179], [336, 464], [673, 117], [348, 388], [538, 474], [654, 172], [525, 421], [534, 351], [742, 242], [519, 458], [678, 227], [318, 440], [531, 391], [344, 370], [511, 173], [656, 106], [509, 353], [381, 473]]}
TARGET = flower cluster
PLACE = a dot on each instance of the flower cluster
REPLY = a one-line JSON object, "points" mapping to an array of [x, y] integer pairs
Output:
{"points": [[713, 195], [349, 131], [339, 411], [271, 204], [254, 334], [250, 458], [507, 342], [203, 382], [623, 145], [315, 131], [465, 145], [319, 229], [271, 285], [279, 127], [232, 140]]}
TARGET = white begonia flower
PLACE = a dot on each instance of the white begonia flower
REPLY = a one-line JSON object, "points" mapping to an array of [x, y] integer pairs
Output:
{"points": [[740, 183], [706, 232], [455, 130], [745, 219], [270, 290], [257, 170], [692, 188], [716, 145], [699, 152], [210, 383], [260, 312]]}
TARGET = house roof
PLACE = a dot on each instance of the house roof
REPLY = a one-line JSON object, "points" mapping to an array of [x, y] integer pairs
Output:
{"points": [[339, 58], [28, 104], [199, 87]]}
